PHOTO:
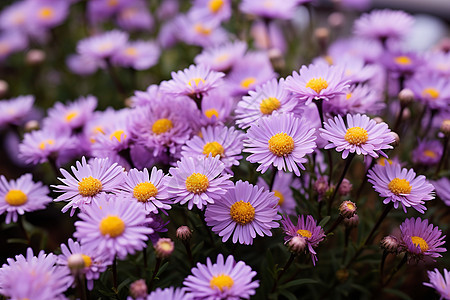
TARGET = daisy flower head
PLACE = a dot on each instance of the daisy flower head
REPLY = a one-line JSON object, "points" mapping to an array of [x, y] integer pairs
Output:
{"points": [[402, 63], [432, 91], [82, 65], [244, 211], [135, 15], [226, 142], [217, 106], [269, 98], [219, 10], [306, 228], [198, 181], [113, 227], [440, 283], [104, 45], [282, 185], [421, 239], [21, 195], [226, 279], [442, 187], [222, 58], [401, 186], [383, 24], [269, 9], [89, 181], [317, 81], [148, 189], [361, 135], [427, 152], [139, 55], [204, 32], [48, 14], [193, 81], [93, 265], [14, 111], [34, 277], [281, 140]]}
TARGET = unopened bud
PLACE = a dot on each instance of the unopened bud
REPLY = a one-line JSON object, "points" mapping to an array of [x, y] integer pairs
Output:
{"points": [[336, 19], [378, 120], [406, 114], [128, 102], [390, 244], [345, 188], [138, 289], [396, 141], [321, 185], [445, 127], [35, 57], [4, 87], [322, 34], [352, 221], [406, 96], [76, 263], [164, 248], [347, 209], [31, 125], [276, 58], [297, 244], [184, 233]]}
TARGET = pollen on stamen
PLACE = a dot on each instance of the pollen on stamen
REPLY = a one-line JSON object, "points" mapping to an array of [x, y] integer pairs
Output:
{"points": [[317, 84], [209, 113], [215, 5], [418, 241], [304, 233], [213, 149], [247, 82], [221, 282], [16, 198], [356, 136], [281, 144], [399, 186], [197, 183], [119, 135], [162, 126], [268, 105], [89, 186], [242, 212]]}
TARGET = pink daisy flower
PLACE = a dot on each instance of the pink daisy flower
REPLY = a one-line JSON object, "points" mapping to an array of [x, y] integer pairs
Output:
{"points": [[225, 279], [361, 135], [244, 211], [198, 181], [281, 140]]}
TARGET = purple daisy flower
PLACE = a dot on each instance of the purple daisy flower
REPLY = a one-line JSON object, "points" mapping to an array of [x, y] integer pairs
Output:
{"points": [[269, 9], [217, 106], [421, 239], [401, 63], [139, 55], [14, 111], [281, 140], [222, 280], [48, 13], [104, 45], [169, 293], [306, 228], [149, 190], [440, 283], [21, 195], [198, 181], [244, 211], [383, 24], [204, 32], [90, 180], [82, 65], [368, 50], [219, 10], [135, 16], [427, 152], [282, 189], [193, 81], [225, 142], [264, 101], [432, 91], [401, 186], [317, 82], [113, 227], [11, 42], [438, 63], [34, 277], [361, 135], [93, 265], [223, 57], [442, 187]]}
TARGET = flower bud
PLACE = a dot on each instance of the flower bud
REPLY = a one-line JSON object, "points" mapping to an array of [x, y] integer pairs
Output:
{"points": [[76, 263], [406, 114], [390, 244], [345, 188], [276, 58], [445, 127], [336, 19], [347, 209], [184, 233], [396, 141], [35, 57], [4, 87], [297, 244], [406, 96], [138, 289], [352, 221], [378, 120], [31, 125], [164, 248], [321, 185]]}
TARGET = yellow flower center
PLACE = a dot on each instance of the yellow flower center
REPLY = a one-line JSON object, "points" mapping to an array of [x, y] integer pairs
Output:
{"points": [[215, 5], [247, 82], [418, 241], [44, 144], [89, 186], [222, 58], [268, 105], [213, 148], [399, 186], [69, 116], [430, 153], [280, 197], [382, 161], [16, 197], [281, 144], [200, 29], [105, 46], [87, 260], [356, 136], [144, 191], [113, 2], [403, 60], [209, 113], [242, 212], [197, 183], [431, 93], [348, 96], [112, 226], [221, 281], [119, 135], [195, 81], [46, 13], [329, 59], [317, 84], [351, 206], [131, 51], [162, 126], [304, 233]]}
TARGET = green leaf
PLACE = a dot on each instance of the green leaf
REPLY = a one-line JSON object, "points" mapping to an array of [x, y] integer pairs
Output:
{"points": [[17, 241], [288, 294], [324, 221], [298, 282], [398, 293], [123, 283]]}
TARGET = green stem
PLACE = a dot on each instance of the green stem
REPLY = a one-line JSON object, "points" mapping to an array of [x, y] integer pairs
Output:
{"points": [[155, 271], [286, 266]]}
